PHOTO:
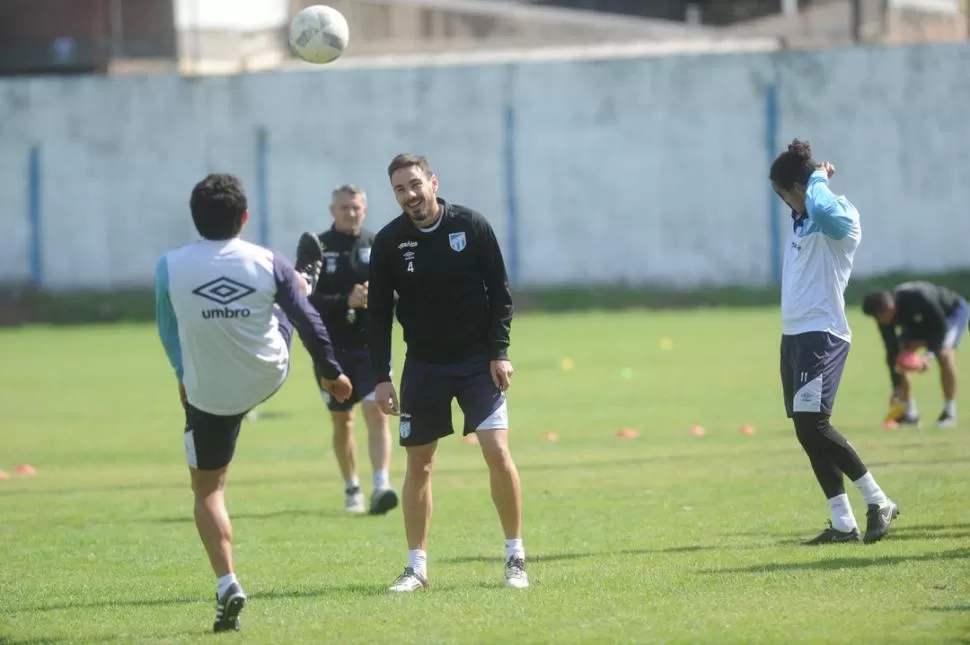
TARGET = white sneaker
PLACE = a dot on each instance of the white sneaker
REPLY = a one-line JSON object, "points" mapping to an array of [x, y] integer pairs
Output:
{"points": [[354, 501], [382, 500], [946, 421], [515, 575], [409, 581]]}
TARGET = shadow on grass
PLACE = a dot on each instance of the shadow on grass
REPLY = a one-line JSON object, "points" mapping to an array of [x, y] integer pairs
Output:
{"points": [[335, 590], [950, 609], [560, 557], [843, 563], [923, 531], [918, 462], [188, 518], [590, 464], [101, 638]]}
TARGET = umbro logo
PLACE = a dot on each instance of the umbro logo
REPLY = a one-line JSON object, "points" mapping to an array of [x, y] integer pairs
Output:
{"points": [[223, 291]]}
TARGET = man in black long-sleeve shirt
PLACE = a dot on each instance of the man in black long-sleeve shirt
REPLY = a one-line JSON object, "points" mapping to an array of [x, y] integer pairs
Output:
{"points": [[455, 308], [928, 316], [341, 255]]}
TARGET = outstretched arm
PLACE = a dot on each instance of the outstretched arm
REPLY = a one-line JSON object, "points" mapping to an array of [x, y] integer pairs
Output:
{"points": [[305, 319]]}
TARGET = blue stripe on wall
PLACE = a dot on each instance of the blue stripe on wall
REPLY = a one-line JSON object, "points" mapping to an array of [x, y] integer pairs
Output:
{"points": [[511, 185], [34, 248], [774, 205], [262, 184]]}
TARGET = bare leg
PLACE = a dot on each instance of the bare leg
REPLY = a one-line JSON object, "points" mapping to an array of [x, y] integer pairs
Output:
{"points": [[948, 373], [506, 489], [378, 437], [344, 446], [212, 518], [417, 495]]}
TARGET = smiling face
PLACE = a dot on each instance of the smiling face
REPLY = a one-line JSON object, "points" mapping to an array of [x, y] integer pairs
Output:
{"points": [[416, 190]]}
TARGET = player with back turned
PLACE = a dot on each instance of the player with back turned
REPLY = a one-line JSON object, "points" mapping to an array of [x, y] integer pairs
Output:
{"points": [[815, 338], [455, 307], [225, 312]]}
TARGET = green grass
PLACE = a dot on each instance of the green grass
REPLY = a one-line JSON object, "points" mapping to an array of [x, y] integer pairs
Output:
{"points": [[19, 306], [666, 538]]}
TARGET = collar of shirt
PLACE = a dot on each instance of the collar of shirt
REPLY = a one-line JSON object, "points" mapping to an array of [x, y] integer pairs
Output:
{"points": [[431, 229], [348, 238], [797, 219]]}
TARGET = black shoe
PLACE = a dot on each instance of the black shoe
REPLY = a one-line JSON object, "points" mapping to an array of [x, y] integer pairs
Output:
{"points": [[878, 521], [228, 608], [310, 254], [382, 500], [832, 535]]}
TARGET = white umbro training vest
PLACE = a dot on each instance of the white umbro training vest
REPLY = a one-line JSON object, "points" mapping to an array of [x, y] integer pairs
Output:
{"points": [[818, 263]]}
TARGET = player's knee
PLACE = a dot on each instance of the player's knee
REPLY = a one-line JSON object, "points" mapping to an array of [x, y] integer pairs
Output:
{"points": [[421, 461], [208, 482], [810, 426], [343, 424], [377, 421], [495, 450]]}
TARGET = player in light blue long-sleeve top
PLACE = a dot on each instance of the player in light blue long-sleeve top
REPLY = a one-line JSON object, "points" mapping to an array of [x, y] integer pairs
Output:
{"points": [[815, 337]]}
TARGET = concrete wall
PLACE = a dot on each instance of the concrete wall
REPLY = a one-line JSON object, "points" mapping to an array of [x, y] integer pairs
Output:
{"points": [[642, 170]]}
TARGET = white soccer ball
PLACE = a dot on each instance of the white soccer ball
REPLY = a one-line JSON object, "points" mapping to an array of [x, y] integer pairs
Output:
{"points": [[319, 34]]}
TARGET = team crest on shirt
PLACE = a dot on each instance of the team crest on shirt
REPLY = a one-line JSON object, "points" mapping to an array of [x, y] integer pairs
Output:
{"points": [[331, 258], [457, 241], [405, 426], [364, 255]]}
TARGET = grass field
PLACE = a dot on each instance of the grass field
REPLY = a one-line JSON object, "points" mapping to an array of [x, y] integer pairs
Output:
{"points": [[666, 538]]}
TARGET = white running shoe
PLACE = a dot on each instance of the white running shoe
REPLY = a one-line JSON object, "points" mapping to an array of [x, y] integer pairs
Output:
{"points": [[408, 581], [515, 575], [354, 501]]}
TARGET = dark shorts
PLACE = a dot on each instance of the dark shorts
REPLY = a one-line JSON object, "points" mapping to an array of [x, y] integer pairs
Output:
{"points": [[811, 368], [956, 323], [427, 390], [210, 439], [356, 365]]}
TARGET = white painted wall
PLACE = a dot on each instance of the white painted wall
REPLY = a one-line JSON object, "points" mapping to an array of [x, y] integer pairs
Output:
{"points": [[239, 15], [644, 170]]}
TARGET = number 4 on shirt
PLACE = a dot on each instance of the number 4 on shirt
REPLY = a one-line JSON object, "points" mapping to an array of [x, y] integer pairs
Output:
{"points": [[410, 267]]}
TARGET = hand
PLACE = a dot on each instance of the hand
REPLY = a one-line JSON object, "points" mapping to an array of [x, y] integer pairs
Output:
{"points": [[358, 297], [339, 388], [386, 398], [182, 398], [828, 168], [501, 373]]}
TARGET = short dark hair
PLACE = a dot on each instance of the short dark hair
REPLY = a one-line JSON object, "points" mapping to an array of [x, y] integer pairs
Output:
{"points": [[406, 160], [793, 166], [218, 204], [876, 302]]}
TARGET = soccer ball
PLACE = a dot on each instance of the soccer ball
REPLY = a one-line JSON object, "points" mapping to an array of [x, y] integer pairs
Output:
{"points": [[319, 34]]}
